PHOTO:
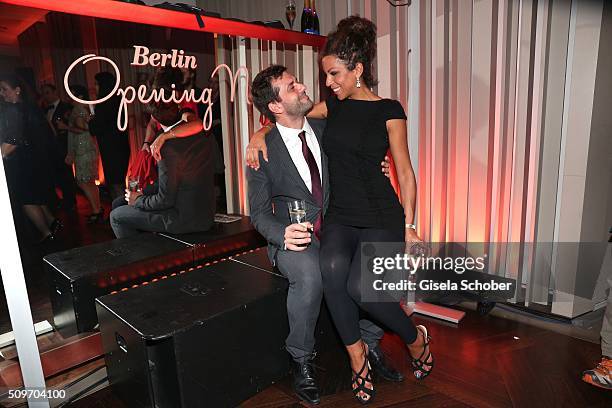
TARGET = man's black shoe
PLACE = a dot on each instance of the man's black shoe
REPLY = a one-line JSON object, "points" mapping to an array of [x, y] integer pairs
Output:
{"points": [[380, 366], [304, 383]]}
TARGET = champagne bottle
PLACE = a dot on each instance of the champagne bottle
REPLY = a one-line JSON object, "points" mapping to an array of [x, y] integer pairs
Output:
{"points": [[306, 14], [315, 18]]}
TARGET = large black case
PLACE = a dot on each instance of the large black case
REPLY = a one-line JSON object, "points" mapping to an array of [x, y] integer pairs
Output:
{"points": [[211, 337], [80, 275], [221, 240], [327, 338]]}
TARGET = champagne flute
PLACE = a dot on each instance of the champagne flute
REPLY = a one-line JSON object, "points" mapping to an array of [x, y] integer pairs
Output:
{"points": [[297, 214], [133, 183], [290, 13]]}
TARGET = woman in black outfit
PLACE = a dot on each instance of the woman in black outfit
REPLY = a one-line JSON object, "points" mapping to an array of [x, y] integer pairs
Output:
{"points": [[27, 143], [113, 144], [363, 206]]}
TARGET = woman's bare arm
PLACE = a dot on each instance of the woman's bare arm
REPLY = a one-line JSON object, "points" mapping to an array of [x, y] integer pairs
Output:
{"points": [[405, 174], [7, 149], [318, 111], [149, 134], [192, 126], [257, 143]]}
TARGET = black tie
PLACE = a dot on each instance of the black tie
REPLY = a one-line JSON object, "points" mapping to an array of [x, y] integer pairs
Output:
{"points": [[315, 179]]}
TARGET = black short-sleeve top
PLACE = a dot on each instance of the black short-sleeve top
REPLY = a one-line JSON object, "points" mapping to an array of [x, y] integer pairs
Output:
{"points": [[356, 141]]}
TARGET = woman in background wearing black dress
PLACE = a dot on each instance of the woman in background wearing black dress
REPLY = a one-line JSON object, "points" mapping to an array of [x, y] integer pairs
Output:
{"points": [[113, 144], [363, 206], [27, 145]]}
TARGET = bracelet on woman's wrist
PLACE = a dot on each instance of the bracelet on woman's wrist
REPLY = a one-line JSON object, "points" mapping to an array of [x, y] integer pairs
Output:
{"points": [[410, 226], [146, 143]]}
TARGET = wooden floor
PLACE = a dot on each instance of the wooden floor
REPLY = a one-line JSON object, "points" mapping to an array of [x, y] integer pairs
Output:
{"points": [[482, 362]]}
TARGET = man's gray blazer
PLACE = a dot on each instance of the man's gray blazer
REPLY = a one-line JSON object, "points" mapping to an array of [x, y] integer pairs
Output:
{"points": [[185, 200], [276, 183]]}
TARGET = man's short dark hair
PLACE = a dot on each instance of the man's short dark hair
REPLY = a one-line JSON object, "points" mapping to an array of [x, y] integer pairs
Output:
{"points": [[263, 92]]}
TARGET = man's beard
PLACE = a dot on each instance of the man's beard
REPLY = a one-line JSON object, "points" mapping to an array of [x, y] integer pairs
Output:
{"points": [[299, 108]]}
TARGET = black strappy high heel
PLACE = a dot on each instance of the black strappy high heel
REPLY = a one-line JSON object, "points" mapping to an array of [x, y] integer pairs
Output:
{"points": [[359, 383], [421, 368]]}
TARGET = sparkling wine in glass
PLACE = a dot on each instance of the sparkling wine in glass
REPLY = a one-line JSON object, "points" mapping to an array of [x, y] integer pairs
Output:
{"points": [[133, 183], [290, 13], [297, 213]]}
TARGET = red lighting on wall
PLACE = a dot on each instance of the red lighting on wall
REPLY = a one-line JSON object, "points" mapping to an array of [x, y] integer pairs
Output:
{"points": [[135, 13]]}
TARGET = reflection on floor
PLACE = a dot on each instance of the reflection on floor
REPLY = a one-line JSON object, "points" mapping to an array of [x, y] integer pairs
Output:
{"points": [[503, 359], [76, 233]]}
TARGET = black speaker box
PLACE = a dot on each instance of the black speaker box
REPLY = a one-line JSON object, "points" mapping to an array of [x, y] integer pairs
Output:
{"points": [[221, 240], [210, 337], [79, 275], [327, 338]]}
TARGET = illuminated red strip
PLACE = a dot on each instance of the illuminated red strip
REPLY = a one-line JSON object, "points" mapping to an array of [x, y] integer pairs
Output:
{"points": [[198, 267], [135, 13]]}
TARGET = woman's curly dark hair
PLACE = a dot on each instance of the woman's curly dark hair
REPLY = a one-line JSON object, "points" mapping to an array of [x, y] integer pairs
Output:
{"points": [[165, 77], [353, 41]]}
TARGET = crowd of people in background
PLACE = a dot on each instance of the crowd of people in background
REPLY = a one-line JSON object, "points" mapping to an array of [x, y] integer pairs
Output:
{"points": [[52, 148]]}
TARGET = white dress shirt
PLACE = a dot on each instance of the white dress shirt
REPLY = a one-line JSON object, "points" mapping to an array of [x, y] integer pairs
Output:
{"points": [[294, 145], [51, 111]]}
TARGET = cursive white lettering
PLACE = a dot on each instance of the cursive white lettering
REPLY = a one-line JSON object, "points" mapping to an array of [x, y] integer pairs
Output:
{"points": [[130, 94], [140, 55], [177, 58]]}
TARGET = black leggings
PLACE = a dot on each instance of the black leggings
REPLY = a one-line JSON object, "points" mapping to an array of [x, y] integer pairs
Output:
{"points": [[340, 259]]}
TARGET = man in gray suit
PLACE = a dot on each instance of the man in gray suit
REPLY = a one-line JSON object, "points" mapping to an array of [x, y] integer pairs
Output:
{"points": [[185, 199], [297, 170]]}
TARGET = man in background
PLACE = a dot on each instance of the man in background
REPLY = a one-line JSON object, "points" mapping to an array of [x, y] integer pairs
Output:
{"points": [[58, 111], [184, 200]]}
